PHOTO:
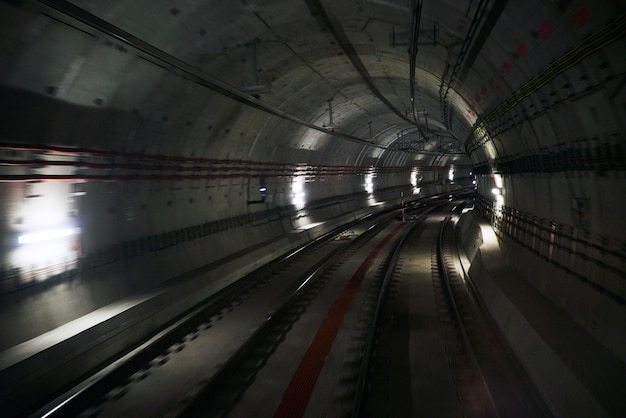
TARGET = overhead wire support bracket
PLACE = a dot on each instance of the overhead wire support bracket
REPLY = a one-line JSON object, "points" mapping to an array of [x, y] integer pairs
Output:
{"points": [[416, 8]]}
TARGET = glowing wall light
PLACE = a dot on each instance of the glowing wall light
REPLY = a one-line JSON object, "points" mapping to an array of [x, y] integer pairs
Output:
{"points": [[297, 192], [497, 179], [498, 191], [414, 180], [369, 183], [47, 238], [49, 235], [451, 173]]}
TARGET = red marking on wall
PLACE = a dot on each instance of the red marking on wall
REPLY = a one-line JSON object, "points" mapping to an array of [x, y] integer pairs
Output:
{"points": [[521, 49], [580, 17], [498, 87], [545, 30], [484, 89], [506, 67], [477, 98], [296, 397]]}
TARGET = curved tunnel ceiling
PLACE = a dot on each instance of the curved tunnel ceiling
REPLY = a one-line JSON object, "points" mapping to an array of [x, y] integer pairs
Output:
{"points": [[302, 58], [313, 82], [299, 59]]}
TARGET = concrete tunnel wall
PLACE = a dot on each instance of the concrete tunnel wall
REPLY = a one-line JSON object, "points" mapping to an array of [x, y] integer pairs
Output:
{"points": [[136, 233], [528, 96], [574, 364]]}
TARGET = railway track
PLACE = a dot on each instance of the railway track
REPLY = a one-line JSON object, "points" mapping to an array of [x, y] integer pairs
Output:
{"points": [[345, 395], [462, 329], [283, 288], [214, 368], [490, 380], [284, 279], [484, 380]]}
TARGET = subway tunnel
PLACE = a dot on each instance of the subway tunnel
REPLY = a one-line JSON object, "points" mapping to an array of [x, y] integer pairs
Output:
{"points": [[144, 142]]}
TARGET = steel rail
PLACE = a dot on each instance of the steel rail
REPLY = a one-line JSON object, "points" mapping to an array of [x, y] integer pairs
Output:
{"points": [[373, 326], [196, 407], [445, 273], [79, 399], [72, 402]]}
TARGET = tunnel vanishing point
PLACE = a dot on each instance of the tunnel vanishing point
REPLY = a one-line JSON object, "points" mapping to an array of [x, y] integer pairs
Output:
{"points": [[144, 142]]}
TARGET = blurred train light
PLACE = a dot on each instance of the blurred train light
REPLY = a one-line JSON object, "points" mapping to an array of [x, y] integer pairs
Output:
{"points": [[52, 234], [47, 238], [369, 183], [297, 192], [497, 179], [414, 181], [498, 191]]}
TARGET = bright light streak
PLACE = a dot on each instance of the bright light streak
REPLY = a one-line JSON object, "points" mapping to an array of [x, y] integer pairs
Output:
{"points": [[414, 180], [311, 225], [489, 237], [47, 242], [497, 179], [369, 183], [451, 174], [297, 192], [39, 257], [414, 177], [498, 191], [46, 235]]}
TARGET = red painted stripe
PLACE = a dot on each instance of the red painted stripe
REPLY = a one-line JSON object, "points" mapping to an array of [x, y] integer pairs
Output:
{"points": [[296, 397]]}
